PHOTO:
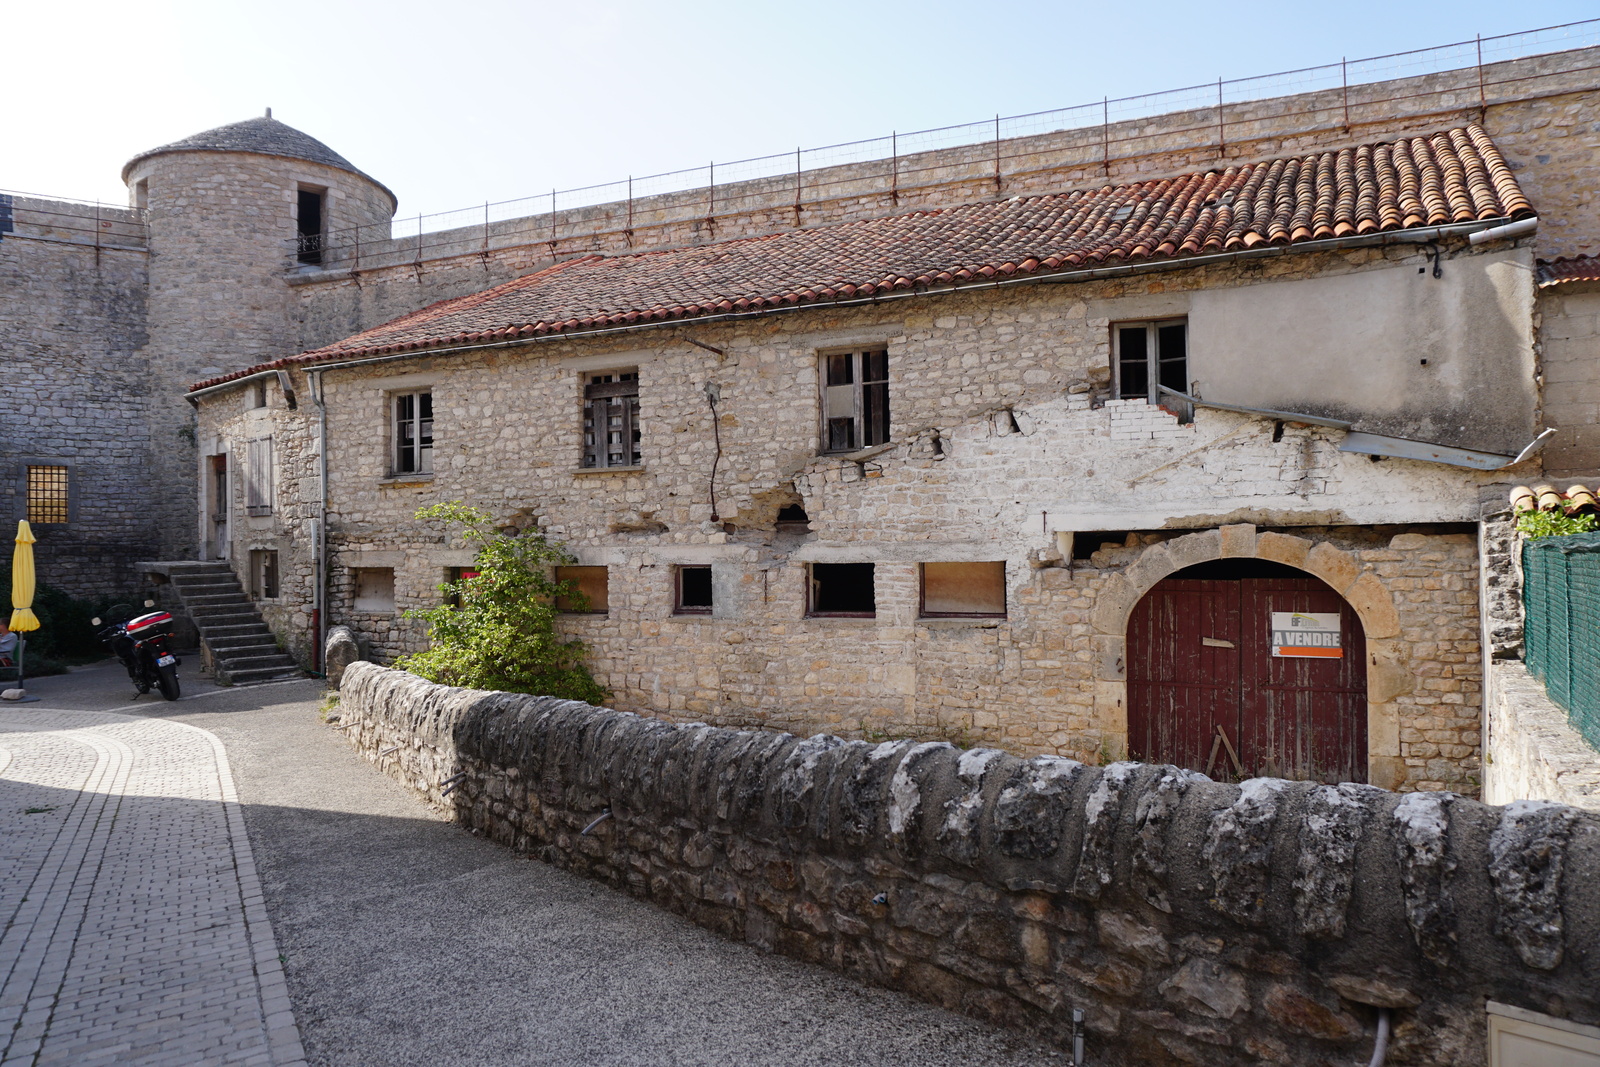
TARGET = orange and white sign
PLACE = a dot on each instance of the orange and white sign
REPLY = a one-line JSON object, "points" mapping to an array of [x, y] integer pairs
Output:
{"points": [[1314, 634]]}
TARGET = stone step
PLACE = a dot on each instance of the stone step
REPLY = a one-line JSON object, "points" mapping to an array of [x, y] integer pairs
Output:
{"points": [[249, 646], [263, 675], [235, 664], [252, 629], [221, 596], [219, 584], [236, 607]]}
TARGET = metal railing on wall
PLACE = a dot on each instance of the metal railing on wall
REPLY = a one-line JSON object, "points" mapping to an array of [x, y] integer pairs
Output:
{"points": [[1002, 154]]}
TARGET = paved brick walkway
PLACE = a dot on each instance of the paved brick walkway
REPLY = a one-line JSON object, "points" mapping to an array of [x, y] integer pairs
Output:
{"points": [[134, 929]]}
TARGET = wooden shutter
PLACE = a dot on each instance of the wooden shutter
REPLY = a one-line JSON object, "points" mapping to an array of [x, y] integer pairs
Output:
{"points": [[258, 477]]}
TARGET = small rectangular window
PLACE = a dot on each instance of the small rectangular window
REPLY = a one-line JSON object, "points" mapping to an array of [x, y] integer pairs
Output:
{"points": [[855, 399], [309, 226], [413, 433], [964, 590], [843, 589], [49, 494], [611, 432], [694, 591], [258, 477], [264, 574], [593, 586], [374, 589], [1149, 355], [457, 574]]}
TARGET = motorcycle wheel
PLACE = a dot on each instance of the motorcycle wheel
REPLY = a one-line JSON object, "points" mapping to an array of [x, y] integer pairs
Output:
{"points": [[167, 679]]}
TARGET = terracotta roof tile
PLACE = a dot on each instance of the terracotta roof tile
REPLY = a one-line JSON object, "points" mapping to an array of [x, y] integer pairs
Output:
{"points": [[1575, 500], [1583, 268], [1453, 176]]}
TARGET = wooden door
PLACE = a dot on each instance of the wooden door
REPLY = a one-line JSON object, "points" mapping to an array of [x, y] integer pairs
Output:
{"points": [[1205, 691]]}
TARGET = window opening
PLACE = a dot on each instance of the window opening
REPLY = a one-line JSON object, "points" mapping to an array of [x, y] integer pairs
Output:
{"points": [[855, 400], [611, 419], [694, 591], [374, 589], [793, 514], [264, 574], [964, 590], [1151, 354], [413, 433], [594, 583], [258, 477], [843, 589], [49, 494], [1085, 545], [256, 395], [308, 223], [457, 574]]}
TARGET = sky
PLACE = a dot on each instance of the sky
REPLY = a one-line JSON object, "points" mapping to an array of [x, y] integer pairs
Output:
{"points": [[454, 104]]}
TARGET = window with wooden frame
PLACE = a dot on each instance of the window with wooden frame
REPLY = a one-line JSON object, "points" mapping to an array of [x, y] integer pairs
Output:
{"points": [[49, 493], [855, 399], [842, 590], [594, 585], [413, 432], [258, 477], [1148, 355], [263, 574], [964, 590], [611, 419], [692, 591]]}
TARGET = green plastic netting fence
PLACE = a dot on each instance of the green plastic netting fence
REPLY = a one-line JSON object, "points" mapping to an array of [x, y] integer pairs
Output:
{"points": [[1561, 595]]}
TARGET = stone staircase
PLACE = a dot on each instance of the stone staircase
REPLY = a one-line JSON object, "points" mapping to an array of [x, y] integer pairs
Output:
{"points": [[242, 650]]}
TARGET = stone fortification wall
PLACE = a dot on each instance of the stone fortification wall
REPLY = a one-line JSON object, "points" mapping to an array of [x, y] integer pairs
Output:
{"points": [[72, 392], [1533, 752], [1531, 107], [1192, 922]]}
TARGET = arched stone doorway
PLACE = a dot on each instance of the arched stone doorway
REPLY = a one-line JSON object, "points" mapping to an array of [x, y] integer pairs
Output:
{"points": [[1208, 691]]}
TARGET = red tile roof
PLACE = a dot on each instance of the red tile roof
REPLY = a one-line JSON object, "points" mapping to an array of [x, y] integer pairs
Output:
{"points": [[1449, 177], [1574, 500], [1583, 268]]}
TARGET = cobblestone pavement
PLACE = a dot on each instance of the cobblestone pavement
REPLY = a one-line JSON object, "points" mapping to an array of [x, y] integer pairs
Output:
{"points": [[135, 931]]}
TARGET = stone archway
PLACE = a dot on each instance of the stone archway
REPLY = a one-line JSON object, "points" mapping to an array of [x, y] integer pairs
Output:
{"points": [[1387, 676]]}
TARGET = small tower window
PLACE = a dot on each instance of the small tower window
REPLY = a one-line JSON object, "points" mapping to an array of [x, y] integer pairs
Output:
{"points": [[308, 223]]}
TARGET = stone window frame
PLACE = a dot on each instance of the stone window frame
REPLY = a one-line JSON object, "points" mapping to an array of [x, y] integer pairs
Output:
{"points": [[601, 390], [1153, 359], [23, 498], [421, 462], [838, 402]]}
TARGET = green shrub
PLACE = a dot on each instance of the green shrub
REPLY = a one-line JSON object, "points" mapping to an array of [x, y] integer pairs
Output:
{"points": [[500, 632], [1536, 524], [65, 634]]}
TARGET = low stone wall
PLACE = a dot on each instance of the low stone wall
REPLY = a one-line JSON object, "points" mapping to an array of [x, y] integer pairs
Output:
{"points": [[1533, 751], [1191, 921]]}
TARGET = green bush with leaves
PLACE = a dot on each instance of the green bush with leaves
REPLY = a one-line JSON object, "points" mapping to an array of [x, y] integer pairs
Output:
{"points": [[1536, 524], [65, 636], [499, 631]]}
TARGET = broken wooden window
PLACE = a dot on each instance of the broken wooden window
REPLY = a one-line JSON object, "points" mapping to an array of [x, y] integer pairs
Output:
{"points": [[693, 595], [413, 433], [258, 477], [264, 574], [964, 590], [855, 399], [374, 589], [308, 226], [843, 589], [592, 585], [611, 419], [1149, 355]]}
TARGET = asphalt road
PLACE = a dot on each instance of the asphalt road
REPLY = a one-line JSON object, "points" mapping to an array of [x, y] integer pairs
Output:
{"points": [[407, 940]]}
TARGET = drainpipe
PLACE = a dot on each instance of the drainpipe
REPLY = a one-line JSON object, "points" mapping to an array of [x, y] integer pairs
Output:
{"points": [[319, 539]]}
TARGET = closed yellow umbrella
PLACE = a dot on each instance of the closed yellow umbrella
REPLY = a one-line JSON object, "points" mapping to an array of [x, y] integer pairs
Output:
{"points": [[22, 581]]}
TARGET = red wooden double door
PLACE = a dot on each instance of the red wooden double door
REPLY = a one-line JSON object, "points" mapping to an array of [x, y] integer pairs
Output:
{"points": [[1205, 691]]}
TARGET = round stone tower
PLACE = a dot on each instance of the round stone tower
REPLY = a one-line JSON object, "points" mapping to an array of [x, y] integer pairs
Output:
{"points": [[233, 215]]}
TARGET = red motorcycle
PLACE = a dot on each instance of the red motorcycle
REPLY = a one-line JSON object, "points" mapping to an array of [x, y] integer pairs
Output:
{"points": [[141, 644]]}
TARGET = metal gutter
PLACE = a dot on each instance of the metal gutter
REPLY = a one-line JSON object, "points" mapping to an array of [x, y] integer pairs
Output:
{"points": [[1267, 413], [1419, 236]]}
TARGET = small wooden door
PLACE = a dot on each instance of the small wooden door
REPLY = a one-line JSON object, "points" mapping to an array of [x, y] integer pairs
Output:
{"points": [[1205, 690]]}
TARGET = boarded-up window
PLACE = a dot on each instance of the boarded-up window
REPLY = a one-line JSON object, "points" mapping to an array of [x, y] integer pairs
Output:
{"points": [[593, 587], [843, 589], [855, 400], [611, 419], [963, 590], [693, 595], [258, 477], [264, 574], [49, 493], [374, 589]]}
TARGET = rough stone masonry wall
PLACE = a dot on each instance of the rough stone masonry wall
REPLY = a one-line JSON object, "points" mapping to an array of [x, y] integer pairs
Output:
{"points": [[1193, 922], [1533, 749]]}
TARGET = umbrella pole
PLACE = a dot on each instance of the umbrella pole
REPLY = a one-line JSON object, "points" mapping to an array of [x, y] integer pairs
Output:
{"points": [[22, 651]]}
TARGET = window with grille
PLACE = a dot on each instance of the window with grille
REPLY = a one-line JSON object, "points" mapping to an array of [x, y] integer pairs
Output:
{"points": [[258, 477], [48, 494], [855, 399], [611, 419], [413, 433], [1150, 355]]}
